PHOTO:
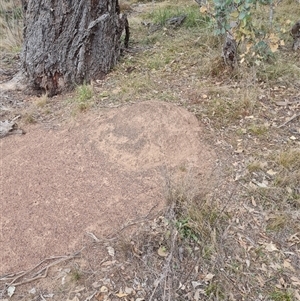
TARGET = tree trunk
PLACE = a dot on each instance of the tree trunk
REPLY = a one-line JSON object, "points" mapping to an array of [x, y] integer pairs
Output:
{"points": [[68, 42]]}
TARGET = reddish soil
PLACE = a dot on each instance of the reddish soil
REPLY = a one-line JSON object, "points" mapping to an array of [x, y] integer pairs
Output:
{"points": [[93, 175]]}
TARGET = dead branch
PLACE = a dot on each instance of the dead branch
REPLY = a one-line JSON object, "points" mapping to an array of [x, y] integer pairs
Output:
{"points": [[42, 273]]}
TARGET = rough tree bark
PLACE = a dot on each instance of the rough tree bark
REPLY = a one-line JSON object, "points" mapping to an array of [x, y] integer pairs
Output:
{"points": [[295, 32], [68, 42]]}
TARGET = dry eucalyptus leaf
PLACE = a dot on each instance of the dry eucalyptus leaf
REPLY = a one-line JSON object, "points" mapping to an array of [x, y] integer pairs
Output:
{"points": [[248, 263], [295, 281], [209, 277], [96, 284], [196, 283], [111, 251], [103, 289], [11, 290], [121, 295], [288, 265], [128, 290], [162, 252], [197, 295], [271, 247], [271, 172], [297, 295]]}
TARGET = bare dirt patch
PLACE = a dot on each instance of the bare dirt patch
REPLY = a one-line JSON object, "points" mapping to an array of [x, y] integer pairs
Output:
{"points": [[92, 175]]}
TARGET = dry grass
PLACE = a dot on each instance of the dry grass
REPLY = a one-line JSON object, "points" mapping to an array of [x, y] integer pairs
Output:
{"points": [[10, 26]]}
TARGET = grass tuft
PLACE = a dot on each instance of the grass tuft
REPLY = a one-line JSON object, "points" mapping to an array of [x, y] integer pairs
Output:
{"points": [[290, 159], [278, 295], [194, 19], [84, 94]]}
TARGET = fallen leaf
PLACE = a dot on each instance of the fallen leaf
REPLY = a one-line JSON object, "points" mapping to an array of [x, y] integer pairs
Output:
{"points": [[11, 291], [48, 296], [128, 290], [282, 103], [295, 281], [101, 296], [261, 281], [162, 251], [271, 172], [209, 277], [248, 263], [96, 284], [121, 295], [297, 295], [271, 247], [203, 9], [288, 265], [197, 295], [111, 251], [281, 284], [196, 283], [103, 289]]}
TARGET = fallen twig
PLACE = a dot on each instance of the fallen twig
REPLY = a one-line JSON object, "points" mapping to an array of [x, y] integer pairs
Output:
{"points": [[289, 120], [37, 275]]}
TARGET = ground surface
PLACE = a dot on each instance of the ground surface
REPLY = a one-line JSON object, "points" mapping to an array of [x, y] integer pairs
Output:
{"points": [[92, 175], [228, 233]]}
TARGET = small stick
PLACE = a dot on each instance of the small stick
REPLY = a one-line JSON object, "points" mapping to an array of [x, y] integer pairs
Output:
{"points": [[37, 275], [289, 120]]}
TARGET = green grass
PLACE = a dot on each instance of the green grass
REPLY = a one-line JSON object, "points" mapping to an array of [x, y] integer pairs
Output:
{"points": [[194, 19], [279, 295], [258, 130], [84, 94]]}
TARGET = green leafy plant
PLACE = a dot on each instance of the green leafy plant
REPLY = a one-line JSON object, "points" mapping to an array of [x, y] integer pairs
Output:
{"points": [[257, 40], [184, 228]]}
